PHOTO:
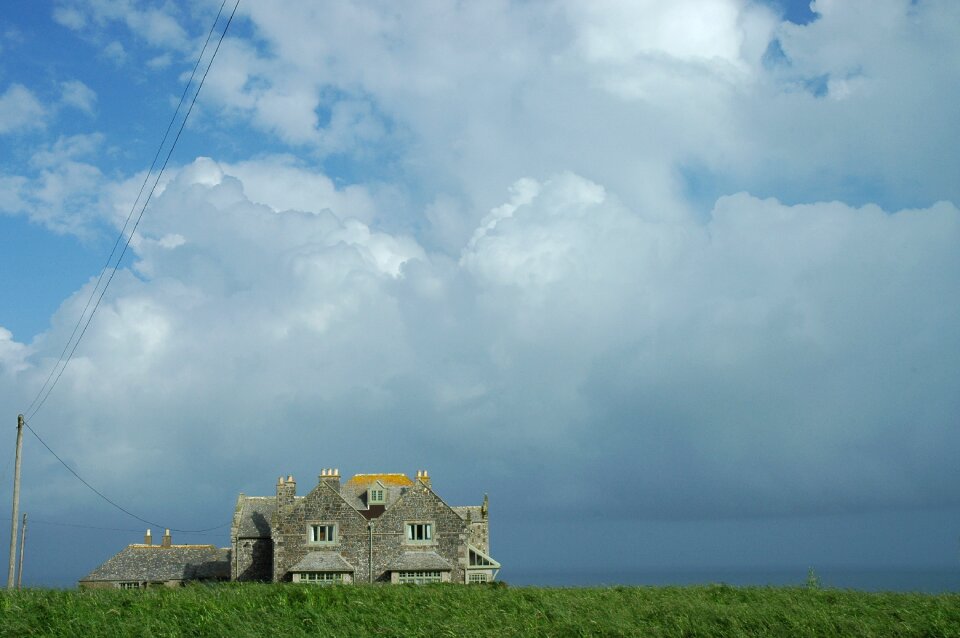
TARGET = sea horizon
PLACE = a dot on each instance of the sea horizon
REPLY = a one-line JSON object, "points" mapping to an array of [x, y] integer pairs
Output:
{"points": [[928, 580]]}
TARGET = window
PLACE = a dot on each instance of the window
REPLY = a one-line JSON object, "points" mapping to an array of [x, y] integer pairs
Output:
{"points": [[420, 578], [323, 533], [130, 585], [375, 496], [321, 578], [419, 532], [479, 560], [480, 577]]}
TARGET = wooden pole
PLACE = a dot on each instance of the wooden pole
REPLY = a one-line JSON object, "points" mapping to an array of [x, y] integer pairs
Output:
{"points": [[16, 503], [23, 543]]}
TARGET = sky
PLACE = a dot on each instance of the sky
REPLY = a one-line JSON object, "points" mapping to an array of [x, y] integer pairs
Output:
{"points": [[676, 284]]}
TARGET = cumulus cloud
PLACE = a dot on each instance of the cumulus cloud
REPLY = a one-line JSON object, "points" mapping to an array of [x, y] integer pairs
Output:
{"points": [[158, 26], [78, 95], [115, 52], [63, 189], [20, 110], [685, 249], [773, 359]]}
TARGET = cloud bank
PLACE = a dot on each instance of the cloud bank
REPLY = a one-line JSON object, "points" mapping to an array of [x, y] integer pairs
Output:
{"points": [[693, 253]]}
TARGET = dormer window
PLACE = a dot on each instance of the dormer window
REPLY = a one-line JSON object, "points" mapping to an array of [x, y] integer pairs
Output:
{"points": [[375, 496]]}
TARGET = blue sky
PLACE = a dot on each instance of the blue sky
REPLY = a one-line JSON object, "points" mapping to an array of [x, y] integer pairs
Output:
{"points": [[700, 253]]}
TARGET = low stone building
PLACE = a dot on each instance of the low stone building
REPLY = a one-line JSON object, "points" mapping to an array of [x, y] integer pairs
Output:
{"points": [[371, 528], [147, 565]]}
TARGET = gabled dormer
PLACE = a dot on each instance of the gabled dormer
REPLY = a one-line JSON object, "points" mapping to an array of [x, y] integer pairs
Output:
{"points": [[376, 494]]}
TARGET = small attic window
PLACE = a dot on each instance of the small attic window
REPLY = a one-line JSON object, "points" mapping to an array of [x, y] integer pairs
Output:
{"points": [[375, 496]]}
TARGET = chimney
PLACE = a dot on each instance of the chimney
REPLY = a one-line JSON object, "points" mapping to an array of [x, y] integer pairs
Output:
{"points": [[148, 538], [485, 508], [423, 477], [286, 490], [166, 541], [331, 477]]}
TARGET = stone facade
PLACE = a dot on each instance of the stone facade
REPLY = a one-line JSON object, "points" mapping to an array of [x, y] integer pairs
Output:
{"points": [[373, 528]]}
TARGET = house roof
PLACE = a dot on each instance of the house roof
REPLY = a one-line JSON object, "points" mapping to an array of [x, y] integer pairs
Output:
{"points": [[388, 480], [354, 491], [322, 562], [471, 512], [419, 561], [157, 563], [255, 516]]}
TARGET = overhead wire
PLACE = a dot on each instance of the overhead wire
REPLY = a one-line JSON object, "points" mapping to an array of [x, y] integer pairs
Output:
{"points": [[35, 405], [37, 521], [120, 236], [107, 498], [136, 224]]}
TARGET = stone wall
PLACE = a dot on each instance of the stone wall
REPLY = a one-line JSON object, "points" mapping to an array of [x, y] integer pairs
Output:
{"points": [[420, 504], [323, 505], [253, 560]]}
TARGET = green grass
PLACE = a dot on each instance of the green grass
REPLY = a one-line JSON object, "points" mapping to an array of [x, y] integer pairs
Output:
{"points": [[457, 610]]}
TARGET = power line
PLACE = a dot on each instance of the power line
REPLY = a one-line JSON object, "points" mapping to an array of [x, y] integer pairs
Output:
{"points": [[106, 266], [49, 388], [113, 529], [107, 498]]}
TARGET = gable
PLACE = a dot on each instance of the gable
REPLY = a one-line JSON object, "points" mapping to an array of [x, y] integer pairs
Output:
{"points": [[420, 502], [255, 515]]}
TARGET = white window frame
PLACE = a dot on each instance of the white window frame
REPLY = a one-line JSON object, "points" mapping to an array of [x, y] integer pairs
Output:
{"points": [[376, 496], [420, 577], [331, 530], [321, 578], [474, 578], [130, 585], [419, 533]]}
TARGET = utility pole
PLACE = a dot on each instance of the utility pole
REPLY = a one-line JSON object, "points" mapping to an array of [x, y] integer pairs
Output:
{"points": [[16, 503], [23, 543]]}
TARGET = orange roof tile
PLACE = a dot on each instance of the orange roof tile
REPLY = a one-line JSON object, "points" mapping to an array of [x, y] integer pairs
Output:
{"points": [[401, 480]]}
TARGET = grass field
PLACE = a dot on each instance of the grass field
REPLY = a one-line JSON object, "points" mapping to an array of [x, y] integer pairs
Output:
{"points": [[455, 610]]}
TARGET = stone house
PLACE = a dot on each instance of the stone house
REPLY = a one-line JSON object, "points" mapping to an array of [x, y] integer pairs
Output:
{"points": [[371, 528], [147, 565]]}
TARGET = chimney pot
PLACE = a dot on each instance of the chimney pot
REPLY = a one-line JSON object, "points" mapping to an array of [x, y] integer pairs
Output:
{"points": [[148, 538], [167, 541]]}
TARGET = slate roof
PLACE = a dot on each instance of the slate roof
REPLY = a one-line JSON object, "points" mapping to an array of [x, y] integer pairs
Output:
{"points": [[419, 561], [471, 512], [354, 491], [322, 562], [255, 516], [155, 563]]}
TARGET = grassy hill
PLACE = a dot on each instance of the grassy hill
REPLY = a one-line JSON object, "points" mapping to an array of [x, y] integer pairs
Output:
{"points": [[455, 610]]}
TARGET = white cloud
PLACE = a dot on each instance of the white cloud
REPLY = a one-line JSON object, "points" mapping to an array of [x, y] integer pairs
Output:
{"points": [[571, 324], [20, 110], [158, 26], [63, 192], [635, 300], [115, 52], [13, 355], [281, 184], [70, 17], [78, 95], [160, 61]]}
